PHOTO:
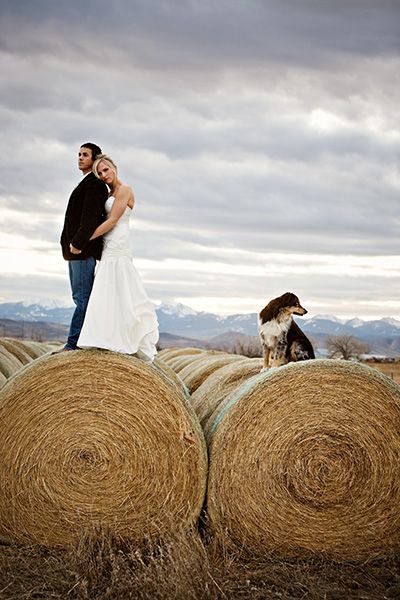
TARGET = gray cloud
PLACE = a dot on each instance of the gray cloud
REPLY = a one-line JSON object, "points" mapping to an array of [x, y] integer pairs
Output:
{"points": [[230, 32], [260, 126]]}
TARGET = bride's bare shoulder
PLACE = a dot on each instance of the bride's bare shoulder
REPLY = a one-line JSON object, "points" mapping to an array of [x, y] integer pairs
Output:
{"points": [[125, 188], [126, 193]]}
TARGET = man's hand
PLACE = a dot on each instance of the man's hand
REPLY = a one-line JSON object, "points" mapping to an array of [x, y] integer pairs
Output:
{"points": [[74, 250]]}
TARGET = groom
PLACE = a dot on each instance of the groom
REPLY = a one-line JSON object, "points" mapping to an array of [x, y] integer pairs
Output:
{"points": [[85, 211]]}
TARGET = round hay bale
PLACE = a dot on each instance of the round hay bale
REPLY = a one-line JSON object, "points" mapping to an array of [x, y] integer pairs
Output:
{"points": [[220, 384], [37, 347], [96, 439], [305, 459], [46, 346], [165, 351], [16, 350], [194, 374], [174, 352], [172, 376], [3, 379], [29, 347], [9, 364], [179, 362]]}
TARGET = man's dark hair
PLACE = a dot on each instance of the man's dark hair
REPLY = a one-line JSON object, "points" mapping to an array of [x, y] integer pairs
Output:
{"points": [[94, 148]]}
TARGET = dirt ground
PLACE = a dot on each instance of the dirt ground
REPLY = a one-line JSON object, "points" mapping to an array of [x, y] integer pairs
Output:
{"points": [[186, 568]]}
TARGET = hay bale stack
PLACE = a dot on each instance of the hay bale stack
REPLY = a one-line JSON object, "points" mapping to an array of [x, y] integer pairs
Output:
{"points": [[165, 351], [305, 458], [29, 347], [195, 374], [220, 384], [37, 348], [9, 364], [180, 362], [15, 349], [172, 353], [95, 438]]}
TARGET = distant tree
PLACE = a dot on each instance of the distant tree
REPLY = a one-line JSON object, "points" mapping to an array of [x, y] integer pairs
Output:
{"points": [[246, 346], [37, 334], [345, 346]]}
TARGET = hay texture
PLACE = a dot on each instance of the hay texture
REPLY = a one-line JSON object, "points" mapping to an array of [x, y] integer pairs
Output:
{"points": [[96, 439], [220, 384], [180, 362], [306, 458], [3, 379], [196, 373], [16, 350], [31, 348], [169, 353], [9, 364], [166, 371]]}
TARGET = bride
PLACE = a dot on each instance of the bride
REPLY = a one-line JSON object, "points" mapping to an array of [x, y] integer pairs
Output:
{"points": [[119, 315]]}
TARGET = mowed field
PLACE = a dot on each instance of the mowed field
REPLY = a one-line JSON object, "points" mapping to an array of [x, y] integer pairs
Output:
{"points": [[391, 370], [191, 564], [188, 567]]}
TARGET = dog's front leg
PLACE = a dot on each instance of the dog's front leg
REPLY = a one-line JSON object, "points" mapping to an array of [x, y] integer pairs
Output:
{"points": [[267, 353], [278, 357]]}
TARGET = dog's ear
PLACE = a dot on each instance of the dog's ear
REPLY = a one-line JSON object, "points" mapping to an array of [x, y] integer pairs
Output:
{"points": [[290, 299]]}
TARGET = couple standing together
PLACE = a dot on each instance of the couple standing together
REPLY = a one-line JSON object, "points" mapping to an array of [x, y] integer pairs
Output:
{"points": [[112, 310]]}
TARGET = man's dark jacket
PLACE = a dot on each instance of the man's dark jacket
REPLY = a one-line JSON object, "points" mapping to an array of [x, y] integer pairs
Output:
{"points": [[85, 212]]}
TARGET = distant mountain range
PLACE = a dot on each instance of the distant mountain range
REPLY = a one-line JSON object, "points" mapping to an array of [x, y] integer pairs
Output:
{"points": [[383, 335]]}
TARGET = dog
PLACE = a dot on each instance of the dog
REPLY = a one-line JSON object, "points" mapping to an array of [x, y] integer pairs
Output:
{"points": [[281, 338]]}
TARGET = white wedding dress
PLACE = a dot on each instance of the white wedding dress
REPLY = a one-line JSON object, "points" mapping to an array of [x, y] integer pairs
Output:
{"points": [[119, 315]]}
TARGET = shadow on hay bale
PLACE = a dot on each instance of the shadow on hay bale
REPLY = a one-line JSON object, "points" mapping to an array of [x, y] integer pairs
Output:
{"points": [[95, 438], [305, 459]]}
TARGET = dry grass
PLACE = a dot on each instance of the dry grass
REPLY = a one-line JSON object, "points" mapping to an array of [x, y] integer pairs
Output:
{"points": [[103, 566], [9, 364], [188, 566], [195, 374], [219, 385], [169, 353], [392, 370]]}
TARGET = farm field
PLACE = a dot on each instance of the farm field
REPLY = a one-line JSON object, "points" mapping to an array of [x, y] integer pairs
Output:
{"points": [[185, 568], [392, 370], [297, 523]]}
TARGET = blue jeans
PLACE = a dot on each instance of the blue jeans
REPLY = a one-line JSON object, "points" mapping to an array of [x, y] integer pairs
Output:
{"points": [[81, 275]]}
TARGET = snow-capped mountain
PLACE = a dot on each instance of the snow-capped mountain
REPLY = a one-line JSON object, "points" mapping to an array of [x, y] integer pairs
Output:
{"points": [[23, 311], [331, 325], [176, 308], [202, 325], [179, 319]]}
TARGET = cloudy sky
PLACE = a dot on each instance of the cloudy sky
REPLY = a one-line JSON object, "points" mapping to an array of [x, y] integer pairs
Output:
{"points": [[261, 138]]}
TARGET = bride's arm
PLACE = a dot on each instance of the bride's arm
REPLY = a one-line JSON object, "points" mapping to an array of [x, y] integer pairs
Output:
{"points": [[120, 203]]}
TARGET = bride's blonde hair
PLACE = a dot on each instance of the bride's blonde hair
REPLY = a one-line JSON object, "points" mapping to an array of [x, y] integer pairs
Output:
{"points": [[108, 161]]}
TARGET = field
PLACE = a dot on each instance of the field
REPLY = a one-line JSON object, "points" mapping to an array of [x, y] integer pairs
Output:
{"points": [[188, 567], [194, 564], [392, 370]]}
